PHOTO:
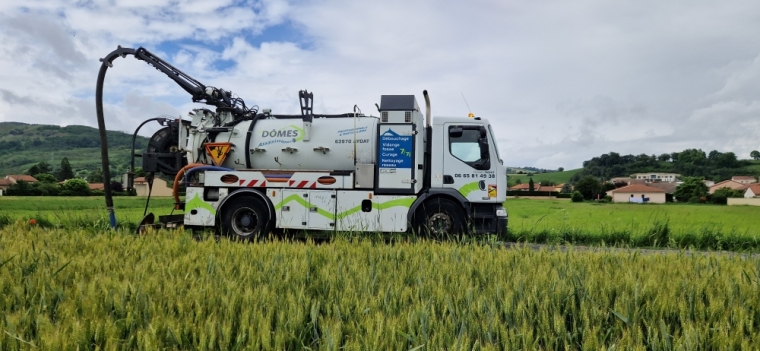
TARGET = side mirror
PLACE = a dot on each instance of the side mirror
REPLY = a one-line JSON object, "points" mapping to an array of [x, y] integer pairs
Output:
{"points": [[483, 144], [455, 132]]}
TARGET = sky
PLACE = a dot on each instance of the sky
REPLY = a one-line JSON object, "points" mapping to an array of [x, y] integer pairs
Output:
{"points": [[560, 81]]}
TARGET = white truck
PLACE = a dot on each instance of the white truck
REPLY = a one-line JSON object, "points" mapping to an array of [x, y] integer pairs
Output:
{"points": [[248, 172]]}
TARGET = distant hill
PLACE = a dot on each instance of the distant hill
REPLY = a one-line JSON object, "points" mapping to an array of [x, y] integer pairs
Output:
{"points": [[714, 165], [24, 145], [517, 170], [556, 177]]}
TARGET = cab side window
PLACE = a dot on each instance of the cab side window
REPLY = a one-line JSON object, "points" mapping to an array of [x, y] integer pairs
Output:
{"points": [[469, 144]]}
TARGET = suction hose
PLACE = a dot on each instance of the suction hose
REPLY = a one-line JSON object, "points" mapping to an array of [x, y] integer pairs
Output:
{"points": [[177, 178], [206, 168], [106, 63]]}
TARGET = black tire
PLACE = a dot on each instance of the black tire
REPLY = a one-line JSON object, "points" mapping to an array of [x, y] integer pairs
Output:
{"points": [[245, 218], [440, 218]]}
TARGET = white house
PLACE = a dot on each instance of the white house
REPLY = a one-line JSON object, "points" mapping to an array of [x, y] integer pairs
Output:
{"points": [[654, 177], [744, 179], [638, 193], [752, 191]]}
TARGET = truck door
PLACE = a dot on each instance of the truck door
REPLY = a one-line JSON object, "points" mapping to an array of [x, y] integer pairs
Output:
{"points": [[470, 164]]}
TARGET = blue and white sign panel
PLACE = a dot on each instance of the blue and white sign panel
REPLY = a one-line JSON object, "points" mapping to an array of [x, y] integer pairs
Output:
{"points": [[395, 156]]}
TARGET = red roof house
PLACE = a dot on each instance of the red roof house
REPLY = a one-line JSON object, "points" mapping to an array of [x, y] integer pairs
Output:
{"points": [[13, 178], [752, 191], [731, 184]]}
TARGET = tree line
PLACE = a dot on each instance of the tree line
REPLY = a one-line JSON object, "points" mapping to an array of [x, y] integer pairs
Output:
{"points": [[691, 190], [715, 165], [49, 182]]}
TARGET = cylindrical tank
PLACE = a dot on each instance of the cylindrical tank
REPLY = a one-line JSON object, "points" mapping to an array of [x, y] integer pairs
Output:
{"points": [[293, 144]]}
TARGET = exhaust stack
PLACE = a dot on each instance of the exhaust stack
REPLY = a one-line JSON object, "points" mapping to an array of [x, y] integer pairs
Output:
{"points": [[427, 108]]}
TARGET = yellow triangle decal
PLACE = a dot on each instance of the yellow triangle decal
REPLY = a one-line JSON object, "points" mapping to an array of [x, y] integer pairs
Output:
{"points": [[218, 152]]}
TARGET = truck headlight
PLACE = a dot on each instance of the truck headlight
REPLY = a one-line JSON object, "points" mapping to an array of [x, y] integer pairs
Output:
{"points": [[501, 213]]}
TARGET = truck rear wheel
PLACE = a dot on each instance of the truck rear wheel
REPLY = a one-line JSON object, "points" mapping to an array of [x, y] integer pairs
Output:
{"points": [[245, 218], [440, 218]]}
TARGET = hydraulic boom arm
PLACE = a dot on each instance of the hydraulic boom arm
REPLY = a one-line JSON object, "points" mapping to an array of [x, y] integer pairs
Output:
{"points": [[222, 99], [199, 92]]}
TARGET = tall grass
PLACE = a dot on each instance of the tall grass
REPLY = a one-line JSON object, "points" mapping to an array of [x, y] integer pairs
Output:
{"points": [[712, 227], [658, 235], [85, 289], [78, 212], [704, 227]]}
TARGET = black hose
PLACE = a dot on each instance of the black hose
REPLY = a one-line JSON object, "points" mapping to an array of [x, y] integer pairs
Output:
{"points": [[148, 178], [160, 120], [106, 62]]}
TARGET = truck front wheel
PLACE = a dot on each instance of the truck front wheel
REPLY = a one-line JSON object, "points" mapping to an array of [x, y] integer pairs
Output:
{"points": [[440, 218], [245, 218]]}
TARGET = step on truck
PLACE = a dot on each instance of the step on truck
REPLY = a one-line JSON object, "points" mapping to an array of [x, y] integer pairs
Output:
{"points": [[247, 172]]}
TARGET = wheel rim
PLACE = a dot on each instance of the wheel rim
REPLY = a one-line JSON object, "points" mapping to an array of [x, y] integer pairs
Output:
{"points": [[440, 223], [244, 221]]}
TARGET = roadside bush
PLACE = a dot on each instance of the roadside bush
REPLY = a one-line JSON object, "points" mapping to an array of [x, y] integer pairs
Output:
{"points": [[119, 193], [531, 193], [690, 188], [48, 189], [717, 199], [75, 187], [46, 178], [5, 220], [720, 197], [577, 196], [589, 187]]}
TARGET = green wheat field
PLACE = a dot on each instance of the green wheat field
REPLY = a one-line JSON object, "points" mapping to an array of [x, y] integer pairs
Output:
{"points": [[70, 283], [680, 226]]}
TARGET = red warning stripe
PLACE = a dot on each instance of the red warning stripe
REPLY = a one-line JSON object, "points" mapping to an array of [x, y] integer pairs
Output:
{"points": [[302, 184], [253, 183]]}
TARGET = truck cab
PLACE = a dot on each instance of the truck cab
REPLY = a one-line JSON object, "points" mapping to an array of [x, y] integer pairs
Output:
{"points": [[466, 166]]}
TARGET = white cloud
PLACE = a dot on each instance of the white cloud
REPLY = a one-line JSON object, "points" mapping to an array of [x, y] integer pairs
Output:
{"points": [[560, 81]]}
